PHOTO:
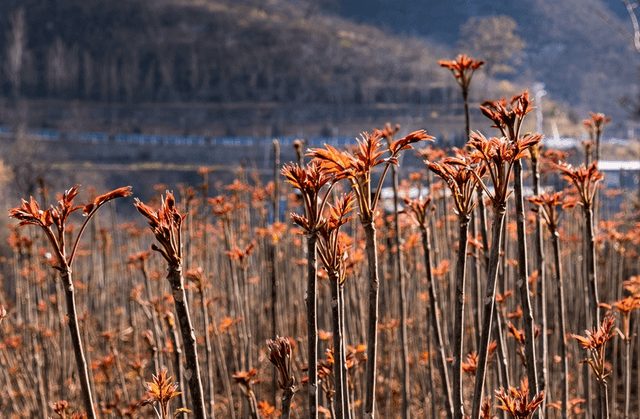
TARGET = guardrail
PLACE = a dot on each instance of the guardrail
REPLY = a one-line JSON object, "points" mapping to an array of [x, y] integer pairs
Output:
{"points": [[142, 139]]}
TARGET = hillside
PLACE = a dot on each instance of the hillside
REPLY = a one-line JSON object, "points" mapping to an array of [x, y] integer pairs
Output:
{"points": [[583, 59], [213, 51], [124, 54]]}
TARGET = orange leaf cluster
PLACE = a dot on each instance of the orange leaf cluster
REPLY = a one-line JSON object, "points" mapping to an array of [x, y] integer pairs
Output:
{"points": [[463, 68], [29, 213], [515, 401], [166, 226], [585, 179]]}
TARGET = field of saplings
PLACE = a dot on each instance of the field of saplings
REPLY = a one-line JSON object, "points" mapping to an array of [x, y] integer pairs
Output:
{"points": [[472, 289]]}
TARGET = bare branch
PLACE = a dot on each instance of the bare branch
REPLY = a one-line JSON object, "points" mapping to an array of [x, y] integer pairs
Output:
{"points": [[634, 21]]}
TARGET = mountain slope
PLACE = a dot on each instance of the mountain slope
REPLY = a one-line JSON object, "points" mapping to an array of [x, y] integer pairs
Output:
{"points": [[213, 51], [583, 60]]}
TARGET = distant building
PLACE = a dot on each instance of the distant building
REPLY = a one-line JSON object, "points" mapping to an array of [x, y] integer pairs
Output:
{"points": [[621, 173]]}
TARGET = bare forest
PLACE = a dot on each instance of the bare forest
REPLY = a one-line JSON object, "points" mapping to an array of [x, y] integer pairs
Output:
{"points": [[128, 51]]}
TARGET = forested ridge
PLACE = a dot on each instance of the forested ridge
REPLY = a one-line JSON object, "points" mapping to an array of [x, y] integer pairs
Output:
{"points": [[305, 52], [582, 50], [209, 51]]}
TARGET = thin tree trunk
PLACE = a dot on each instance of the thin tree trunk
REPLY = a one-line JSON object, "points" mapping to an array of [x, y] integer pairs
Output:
{"points": [[406, 387], [275, 324], [123, 383], [246, 309], [436, 324], [458, 328], [276, 183], [543, 351], [372, 328], [253, 406], [627, 376], [312, 324], [222, 366], [431, 391], [597, 146], [345, 373], [502, 351], [37, 357], [604, 401], [338, 364], [154, 320], [192, 371], [476, 282], [489, 303], [563, 327], [588, 322], [177, 362], [483, 224], [207, 344], [592, 278], [467, 125], [503, 347], [523, 285], [32, 334], [287, 398], [63, 340], [81, 362]]}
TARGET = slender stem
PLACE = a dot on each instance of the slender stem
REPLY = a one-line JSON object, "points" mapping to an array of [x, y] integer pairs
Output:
{"points": [[430, 389], [207, 344], [275, 323], [82, 228], [503, 347], [597, 145], [592, 279], [372, 328], [458, 328], [465, 99], [287, 398], [222, 366], [37, 354], [406, 387], [437, 324], [154, 319], [489, 303], [627, 376], [502, 352], [343, 349], [376, 198], [276, 180], [523, 285], [563, 327], [476, 281], [177, 363], [483, 224], [83, 372], [338, 365], [604, 400], [542, 285], [254, 412], [312, 324], [246, 314], [192, 371]]}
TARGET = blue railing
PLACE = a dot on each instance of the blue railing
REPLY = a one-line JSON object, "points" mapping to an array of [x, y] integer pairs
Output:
{"points": [[200, 141]]}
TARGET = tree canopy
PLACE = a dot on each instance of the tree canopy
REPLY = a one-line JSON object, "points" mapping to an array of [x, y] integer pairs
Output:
{"points": [[493, 39]]}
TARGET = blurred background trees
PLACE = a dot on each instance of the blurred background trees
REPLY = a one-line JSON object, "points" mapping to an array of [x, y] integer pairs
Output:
{"points": [[493, 39], [128, 52], [138, 51]]}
